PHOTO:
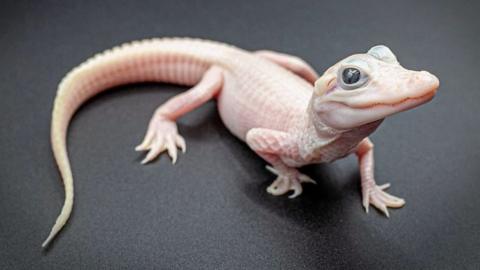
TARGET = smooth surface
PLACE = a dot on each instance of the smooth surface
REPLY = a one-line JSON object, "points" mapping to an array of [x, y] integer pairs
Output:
{"points": [[211, 210]]}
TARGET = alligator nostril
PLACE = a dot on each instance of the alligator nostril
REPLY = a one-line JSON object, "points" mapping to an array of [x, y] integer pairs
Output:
{"points": [[428, 79]]}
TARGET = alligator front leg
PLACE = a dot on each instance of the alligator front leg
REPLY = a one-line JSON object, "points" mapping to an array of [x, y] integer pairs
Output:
{"points": [[371, 192], [272, 145]]}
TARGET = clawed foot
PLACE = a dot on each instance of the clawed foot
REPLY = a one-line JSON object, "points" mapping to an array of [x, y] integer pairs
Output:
{"points": [[286, 181], [162, 135], [375, 195]]}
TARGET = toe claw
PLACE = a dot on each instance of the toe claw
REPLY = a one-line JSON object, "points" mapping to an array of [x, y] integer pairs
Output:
{"points": [[150, 156], [271, 169], [294, 195], [141, 147], [383, 208], [306, 179], [297, 190], [180, 141], [146, 160], [171, 149], [365, 203], [386, 212], [146, 141], [384, 186], [379, 204], [156, 149]]}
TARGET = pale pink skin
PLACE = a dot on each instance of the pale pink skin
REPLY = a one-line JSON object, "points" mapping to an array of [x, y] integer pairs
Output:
{"points": [[264, 98]]}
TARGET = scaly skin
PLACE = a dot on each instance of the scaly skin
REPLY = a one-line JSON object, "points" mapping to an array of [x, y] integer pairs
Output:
{"points": [[265, 98]]}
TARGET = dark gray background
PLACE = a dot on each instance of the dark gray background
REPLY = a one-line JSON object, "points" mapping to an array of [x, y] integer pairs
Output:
{"points": [[211, 211]]}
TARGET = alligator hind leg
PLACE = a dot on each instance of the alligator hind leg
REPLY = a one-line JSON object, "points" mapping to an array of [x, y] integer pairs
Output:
{"points": [[162, 133]]}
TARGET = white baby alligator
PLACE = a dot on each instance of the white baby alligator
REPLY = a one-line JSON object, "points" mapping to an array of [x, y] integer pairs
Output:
{"points": [[274, 102]]}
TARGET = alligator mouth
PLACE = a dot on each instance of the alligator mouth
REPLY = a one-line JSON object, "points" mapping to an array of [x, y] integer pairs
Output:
{"points": [[342, 116], [404, 104]]}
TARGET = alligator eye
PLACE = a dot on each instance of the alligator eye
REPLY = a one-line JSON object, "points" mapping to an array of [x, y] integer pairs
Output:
{"points": [[351, 75], [350, 78]]}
